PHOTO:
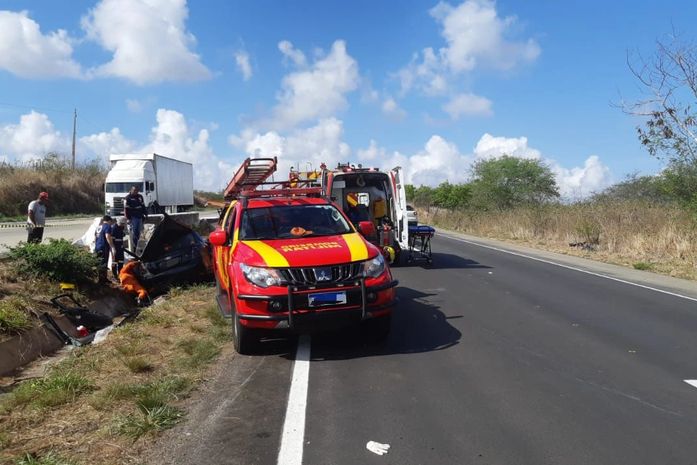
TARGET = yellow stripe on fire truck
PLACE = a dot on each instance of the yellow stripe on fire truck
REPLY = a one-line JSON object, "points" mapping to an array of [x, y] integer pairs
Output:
{"points": [[271, 256]]}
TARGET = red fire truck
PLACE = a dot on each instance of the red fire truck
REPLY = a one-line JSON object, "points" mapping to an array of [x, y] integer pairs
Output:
{"points": [[286, 256]]}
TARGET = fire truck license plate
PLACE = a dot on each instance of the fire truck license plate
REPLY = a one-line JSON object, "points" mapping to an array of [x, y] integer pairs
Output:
{"points": [[327, 298]]}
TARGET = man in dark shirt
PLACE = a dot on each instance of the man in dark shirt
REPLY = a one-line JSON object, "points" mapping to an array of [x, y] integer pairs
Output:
{"points": [[135, 212], [118, 232]]}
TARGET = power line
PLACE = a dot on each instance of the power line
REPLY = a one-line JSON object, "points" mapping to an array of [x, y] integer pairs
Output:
{"points": [[5, 104]]}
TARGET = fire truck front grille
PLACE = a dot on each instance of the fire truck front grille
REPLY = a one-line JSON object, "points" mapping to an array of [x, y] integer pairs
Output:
{"points": [[322, 274]]}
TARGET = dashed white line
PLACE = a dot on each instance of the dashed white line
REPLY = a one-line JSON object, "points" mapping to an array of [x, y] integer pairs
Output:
{"points": [[549, 262], [691, 382], [293, 437]]}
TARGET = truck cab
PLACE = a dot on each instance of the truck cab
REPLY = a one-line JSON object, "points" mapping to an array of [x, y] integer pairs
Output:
{"points": [[289, 258], [123, 175]]}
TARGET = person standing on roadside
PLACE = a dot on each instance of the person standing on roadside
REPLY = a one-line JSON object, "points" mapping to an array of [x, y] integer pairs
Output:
{"points": [[103, 247], [135, 213], [36, 219], [115, 239]]}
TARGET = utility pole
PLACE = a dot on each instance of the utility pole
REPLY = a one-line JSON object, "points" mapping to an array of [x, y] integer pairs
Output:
{"points": [[74, 129]]}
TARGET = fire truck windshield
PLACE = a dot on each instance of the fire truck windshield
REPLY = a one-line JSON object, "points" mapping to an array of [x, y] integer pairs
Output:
{"points": [[287, 222]]}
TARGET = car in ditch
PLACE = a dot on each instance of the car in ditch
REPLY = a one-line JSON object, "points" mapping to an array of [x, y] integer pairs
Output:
{"points": [[289, 258]]}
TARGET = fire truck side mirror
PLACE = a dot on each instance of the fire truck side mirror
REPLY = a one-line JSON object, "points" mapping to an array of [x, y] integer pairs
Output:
{"points": [[367, 228], [218, 238]]}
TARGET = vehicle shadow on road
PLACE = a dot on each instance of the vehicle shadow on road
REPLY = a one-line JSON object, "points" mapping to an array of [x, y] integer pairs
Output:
{"points": [[446, 261], [418, 325]]}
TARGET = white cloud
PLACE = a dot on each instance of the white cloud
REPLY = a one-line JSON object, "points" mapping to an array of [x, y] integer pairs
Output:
{"points": [[291, 53], [316, 92], [392, 109], [148, 38], [318, 144], [26, 52], [468, 105], [32, 138], [476, 36], [579, 182], [242, 60], [428, 75], [105, 143], [173, 137], [489, 147]]}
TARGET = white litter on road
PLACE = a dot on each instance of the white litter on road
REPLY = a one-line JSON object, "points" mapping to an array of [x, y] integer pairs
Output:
{"points": [[377, 448], [692, 382]]}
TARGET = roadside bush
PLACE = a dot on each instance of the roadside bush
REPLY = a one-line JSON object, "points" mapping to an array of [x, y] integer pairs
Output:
{"points": [[57, 260]]}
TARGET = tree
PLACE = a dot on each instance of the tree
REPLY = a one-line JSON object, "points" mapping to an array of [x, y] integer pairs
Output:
{"points": [[669, 85], [509, 182], [410, 191], [649, 188], [669, 82], [451, 196]]}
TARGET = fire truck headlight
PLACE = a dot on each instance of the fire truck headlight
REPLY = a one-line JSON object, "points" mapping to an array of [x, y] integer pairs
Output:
{"points": [[262, 277], [375, 267]]}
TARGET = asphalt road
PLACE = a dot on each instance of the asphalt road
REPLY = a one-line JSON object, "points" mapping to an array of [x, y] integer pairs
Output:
{"points": [[493, 358], [63, 229]]}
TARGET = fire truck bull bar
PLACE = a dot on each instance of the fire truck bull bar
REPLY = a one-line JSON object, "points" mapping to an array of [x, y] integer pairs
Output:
{"points": [[295, 291]]}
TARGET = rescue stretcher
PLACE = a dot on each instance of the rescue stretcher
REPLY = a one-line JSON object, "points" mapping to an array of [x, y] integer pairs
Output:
{"points": [[420, 244]]}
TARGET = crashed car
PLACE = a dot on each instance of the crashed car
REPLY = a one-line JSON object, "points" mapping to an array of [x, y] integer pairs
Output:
{"points": [[174, 254], [290, 258]]}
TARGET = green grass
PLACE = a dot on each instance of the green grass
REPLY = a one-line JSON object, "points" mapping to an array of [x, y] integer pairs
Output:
{"points": [[13, 315], [220, 331], [56, 389], [146, 420], [4, 440], [198, 351], [138, 364], [642, 266], [48, 459], [151, 394]]}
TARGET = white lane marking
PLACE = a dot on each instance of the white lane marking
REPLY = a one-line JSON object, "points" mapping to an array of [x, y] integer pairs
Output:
{"points": [[377, 448], [691, 382], [293, 437], [549, 262]]}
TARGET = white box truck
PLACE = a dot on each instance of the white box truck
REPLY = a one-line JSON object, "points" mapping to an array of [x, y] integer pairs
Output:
{"points": [[166, 184]]}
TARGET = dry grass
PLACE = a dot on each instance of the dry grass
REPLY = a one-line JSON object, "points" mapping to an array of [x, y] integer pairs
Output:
{"points": [[662, 238], [111, 401], [70, 192]]}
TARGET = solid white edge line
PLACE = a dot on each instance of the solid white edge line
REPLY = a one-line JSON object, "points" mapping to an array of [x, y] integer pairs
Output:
{"points": [[691, 382], [549, 262], [293, 437]]}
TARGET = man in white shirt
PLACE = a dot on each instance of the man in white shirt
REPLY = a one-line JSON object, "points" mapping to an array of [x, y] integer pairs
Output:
{"points": [[36, 219]]}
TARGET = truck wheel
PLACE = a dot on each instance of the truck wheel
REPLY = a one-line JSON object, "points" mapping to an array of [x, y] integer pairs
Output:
{"points": [[243, 339], [378, 329]]}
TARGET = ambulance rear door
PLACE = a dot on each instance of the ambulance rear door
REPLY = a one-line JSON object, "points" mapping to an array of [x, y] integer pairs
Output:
{"points": [[401, 222]]}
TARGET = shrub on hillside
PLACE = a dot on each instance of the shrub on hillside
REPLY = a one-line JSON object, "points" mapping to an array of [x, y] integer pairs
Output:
{"points": [[57, 260]]}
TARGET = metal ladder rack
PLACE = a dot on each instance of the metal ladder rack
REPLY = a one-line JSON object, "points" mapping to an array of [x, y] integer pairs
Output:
{"points": [[252, 173]]}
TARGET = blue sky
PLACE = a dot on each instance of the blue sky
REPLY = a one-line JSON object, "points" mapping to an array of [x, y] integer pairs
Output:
{"points": [[431, 86]]}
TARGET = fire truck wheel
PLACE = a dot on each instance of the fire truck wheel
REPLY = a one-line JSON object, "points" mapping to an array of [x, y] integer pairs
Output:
{"points": [[378, 329], [243, 339]]}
